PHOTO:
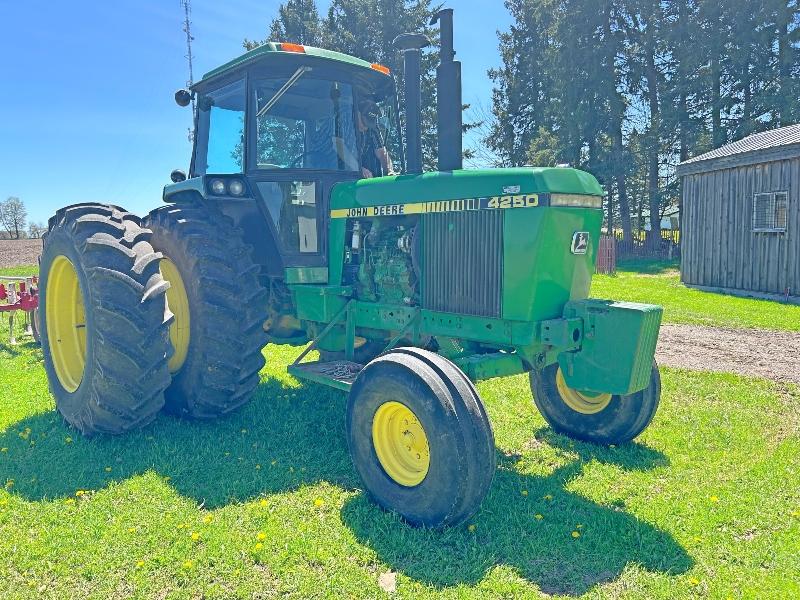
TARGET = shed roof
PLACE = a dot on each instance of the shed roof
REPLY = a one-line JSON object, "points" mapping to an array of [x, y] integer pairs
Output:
{"points": [[766, 146]]}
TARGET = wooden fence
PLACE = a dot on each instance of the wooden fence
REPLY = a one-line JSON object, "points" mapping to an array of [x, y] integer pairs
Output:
{"points": [[606, 255], [637, 247], [612, 248]]}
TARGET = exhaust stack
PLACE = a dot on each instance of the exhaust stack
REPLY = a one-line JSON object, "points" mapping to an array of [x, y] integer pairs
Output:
{"points": [[411, 45], [449, 125]]}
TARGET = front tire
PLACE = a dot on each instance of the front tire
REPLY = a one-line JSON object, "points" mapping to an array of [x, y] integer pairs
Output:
{"points": [[219, 307], [104, 325], [599, 418], [420, 438]]}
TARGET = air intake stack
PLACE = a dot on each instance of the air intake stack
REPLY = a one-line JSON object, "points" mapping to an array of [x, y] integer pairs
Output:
{"points": [[448, 93]]}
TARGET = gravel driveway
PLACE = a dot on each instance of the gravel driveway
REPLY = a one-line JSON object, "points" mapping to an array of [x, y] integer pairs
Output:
{"points": [[757, 352]]}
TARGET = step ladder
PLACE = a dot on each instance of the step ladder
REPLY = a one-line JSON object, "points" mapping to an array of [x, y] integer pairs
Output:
{"points": [[336, 373]]}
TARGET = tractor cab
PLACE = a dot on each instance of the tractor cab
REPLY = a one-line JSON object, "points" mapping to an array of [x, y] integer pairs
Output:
{"points": [[281, 125]]}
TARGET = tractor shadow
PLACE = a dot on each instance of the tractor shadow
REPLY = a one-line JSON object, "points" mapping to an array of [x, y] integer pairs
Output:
{"points": [[541, 549], [287, 437], [283, 438]]}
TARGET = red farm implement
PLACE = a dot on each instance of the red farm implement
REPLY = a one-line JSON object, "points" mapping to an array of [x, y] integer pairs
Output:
{"points": [[21, 294]]}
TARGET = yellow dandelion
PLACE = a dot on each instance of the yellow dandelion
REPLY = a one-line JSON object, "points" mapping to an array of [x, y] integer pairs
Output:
{"points": [[273, 462], [207, 519], [3, 502], [579, 526], [538, 517], [576, 534], [139, 564], [714, 499], [3, 449], [258, 546], [69, 501], [471, 528], [795, 513], [80, 493], [548, 497], [524, 492], [319, 502], [188, 564], [694, 581], [698, 539], [67, 440], [195, 536], [263, 502], [131, 529], [108, 469], [180, 526], [258, 467], [261, 536]]}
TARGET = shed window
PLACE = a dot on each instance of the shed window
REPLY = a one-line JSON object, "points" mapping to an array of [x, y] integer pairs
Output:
{"points": [[770, 211]]}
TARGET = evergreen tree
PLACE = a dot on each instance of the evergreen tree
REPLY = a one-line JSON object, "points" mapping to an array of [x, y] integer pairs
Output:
{"points": [[298, 21], [627, 89]]}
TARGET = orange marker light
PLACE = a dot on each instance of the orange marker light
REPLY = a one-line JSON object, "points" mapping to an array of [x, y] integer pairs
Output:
{"points": [[381, 68], [287, 47]]}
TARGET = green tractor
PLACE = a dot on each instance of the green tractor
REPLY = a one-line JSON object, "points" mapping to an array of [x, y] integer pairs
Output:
{"points": [[292, 228]]}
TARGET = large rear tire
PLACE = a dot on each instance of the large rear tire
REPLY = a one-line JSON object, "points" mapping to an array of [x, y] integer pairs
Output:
{"points": [[104, 325], [219, 305], [599, 418], [420, 438]]}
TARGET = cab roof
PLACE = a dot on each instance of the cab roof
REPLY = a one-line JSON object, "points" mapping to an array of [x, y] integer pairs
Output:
{"points": [[287, 49]]}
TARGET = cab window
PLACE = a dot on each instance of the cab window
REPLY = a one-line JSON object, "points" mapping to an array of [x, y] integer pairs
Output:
{"points": [[304, 122], [221, 118]]}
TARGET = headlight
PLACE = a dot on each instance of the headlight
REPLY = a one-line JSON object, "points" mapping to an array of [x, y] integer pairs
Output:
{"points": [[217, 187], [576, 200], [236, 187]]}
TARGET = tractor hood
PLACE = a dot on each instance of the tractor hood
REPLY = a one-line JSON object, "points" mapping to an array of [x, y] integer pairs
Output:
{"points": [[538, 182]]}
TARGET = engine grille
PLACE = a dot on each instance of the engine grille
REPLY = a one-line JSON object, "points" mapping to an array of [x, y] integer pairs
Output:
{"points": [[463, 262]]}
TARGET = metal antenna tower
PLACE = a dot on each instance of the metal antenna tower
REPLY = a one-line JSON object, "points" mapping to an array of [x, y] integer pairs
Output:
{"points": [[187, 28]]}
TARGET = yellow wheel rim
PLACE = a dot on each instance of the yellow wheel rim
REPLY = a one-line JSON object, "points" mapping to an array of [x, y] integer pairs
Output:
{"points": [[583, 402], [66, 323], [400, 443], [178, 303]]}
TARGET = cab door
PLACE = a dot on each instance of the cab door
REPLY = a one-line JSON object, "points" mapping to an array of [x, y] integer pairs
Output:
{"points": [[302, 141]]}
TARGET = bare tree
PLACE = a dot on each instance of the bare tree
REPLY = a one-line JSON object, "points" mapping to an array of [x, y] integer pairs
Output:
{"points": [[36, 230], [12, 216]]}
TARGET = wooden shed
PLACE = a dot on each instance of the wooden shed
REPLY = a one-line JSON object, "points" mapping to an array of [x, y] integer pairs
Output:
{"points": [[740, 229]]}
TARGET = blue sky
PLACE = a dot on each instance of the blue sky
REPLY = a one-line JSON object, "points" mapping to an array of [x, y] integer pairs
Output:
{"points": [[86, 109]]}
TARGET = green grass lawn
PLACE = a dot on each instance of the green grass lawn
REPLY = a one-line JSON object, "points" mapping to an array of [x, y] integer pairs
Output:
{"points": [[21, 270], [266, 503], [659, 283]]}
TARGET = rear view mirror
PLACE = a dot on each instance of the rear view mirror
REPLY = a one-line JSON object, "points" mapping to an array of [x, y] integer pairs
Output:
{"points": [[183, 97]]}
